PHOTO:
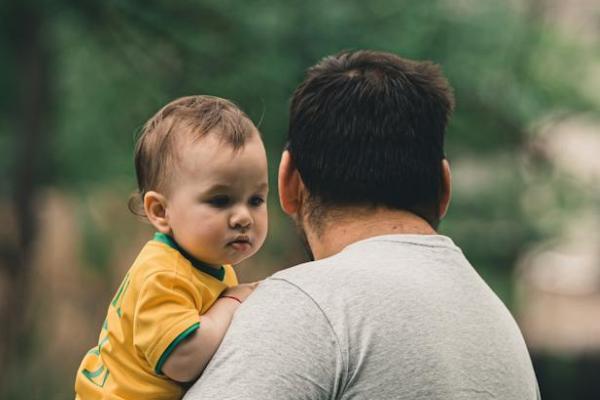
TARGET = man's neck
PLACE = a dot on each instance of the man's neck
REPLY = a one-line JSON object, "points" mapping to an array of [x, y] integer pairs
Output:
{"points": [[354, 225]]}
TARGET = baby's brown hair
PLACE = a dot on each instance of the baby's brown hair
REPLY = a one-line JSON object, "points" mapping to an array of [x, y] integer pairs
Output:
{"points": [[191, 118]]}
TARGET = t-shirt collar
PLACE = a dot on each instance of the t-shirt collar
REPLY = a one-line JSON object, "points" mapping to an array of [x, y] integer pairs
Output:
{"points": [[218, 273]]}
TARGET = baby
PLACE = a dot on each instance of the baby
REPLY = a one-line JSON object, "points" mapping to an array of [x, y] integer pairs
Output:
{"points": [[202, 175]]}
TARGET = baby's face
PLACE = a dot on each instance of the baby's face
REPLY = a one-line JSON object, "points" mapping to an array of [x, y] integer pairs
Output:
{"points": [[216, 207]]}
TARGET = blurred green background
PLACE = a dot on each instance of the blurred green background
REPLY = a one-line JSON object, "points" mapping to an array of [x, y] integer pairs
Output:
{"points": [[78, 79]]}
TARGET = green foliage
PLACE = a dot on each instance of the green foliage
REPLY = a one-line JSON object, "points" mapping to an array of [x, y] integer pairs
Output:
{"points": [[115, 63]]}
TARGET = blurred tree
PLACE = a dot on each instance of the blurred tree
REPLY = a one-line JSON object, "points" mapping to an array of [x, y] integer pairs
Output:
{"points": [[26, 104]]}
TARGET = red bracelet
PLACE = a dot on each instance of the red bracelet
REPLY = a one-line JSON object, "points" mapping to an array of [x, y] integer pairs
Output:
{"points": [[233, 298]]}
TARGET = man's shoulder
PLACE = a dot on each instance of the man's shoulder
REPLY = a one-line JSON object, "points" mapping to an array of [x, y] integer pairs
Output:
{"points": [[319, 271], [325, 280], [366, 271], [370, 254]]}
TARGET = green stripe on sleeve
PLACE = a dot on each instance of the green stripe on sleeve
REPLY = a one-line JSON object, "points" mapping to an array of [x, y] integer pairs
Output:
{"points": [[93, 374], [174, 344]]}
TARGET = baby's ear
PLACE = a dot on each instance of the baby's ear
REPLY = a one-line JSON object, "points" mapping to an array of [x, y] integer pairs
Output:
{"points": [[155, 207]]}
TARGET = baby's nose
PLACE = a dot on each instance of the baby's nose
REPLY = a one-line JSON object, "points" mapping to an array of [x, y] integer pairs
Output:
{"points": [[241, 219]]}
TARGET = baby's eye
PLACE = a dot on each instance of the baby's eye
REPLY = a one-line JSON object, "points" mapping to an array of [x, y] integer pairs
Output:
{"points": [[256, 201], [219, 201]]}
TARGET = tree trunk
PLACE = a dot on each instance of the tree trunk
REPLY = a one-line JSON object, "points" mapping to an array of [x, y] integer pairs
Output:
{"points": [[30, 129]]}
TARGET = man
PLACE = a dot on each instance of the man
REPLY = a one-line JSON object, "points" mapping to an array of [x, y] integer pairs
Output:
{"points": [[389, 309]]}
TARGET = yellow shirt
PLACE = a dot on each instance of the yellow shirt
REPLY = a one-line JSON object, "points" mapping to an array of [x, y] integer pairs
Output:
{"points": [[158, 304]]}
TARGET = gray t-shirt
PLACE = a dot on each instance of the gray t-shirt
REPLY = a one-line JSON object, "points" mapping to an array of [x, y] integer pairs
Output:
{"points": [[390, 317]]}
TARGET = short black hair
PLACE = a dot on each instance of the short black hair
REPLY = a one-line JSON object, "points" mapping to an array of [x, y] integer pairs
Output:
{"points": [[367, 128]]}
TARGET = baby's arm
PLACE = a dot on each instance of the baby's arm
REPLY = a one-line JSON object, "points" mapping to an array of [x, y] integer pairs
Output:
{"points": [[191, 356]]}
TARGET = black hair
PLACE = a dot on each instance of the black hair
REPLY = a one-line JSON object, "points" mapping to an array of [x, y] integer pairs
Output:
{"points": [[367, 128]]}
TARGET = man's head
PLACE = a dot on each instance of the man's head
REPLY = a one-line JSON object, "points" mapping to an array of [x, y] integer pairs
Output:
{"points": [[367, 130], [202, 177]]}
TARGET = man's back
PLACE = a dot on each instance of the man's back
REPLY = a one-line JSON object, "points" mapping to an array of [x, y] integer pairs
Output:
{"points": [[391, 317]]}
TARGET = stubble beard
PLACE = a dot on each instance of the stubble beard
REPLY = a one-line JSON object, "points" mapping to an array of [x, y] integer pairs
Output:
{"points": [[303, 238]]}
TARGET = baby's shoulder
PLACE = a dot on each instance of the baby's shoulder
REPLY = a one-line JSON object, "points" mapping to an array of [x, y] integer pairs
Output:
{"points": [[155, 258]]}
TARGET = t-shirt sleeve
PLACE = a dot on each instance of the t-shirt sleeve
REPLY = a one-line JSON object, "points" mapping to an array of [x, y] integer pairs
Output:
{"points": [[167, 312], [280, 345]]}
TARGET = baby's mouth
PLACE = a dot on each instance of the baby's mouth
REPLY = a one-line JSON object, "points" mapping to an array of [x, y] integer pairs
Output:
{"points": [[241, 243]]}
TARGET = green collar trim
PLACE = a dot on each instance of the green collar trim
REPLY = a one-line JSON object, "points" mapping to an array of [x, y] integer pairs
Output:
{"points": [[218, 273]]}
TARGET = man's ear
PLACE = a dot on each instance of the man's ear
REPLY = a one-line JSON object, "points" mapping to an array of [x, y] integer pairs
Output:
{"points": [[155, 207], [446, 188], [291, 187]]}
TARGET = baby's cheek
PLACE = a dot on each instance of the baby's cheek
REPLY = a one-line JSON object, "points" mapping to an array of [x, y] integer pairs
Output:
{"points": [[262, 230], [212, 231], [264, 222]]}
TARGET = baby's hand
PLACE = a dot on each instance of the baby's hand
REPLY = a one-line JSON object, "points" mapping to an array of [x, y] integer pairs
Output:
{"points": [[190, 357], [241, 291]]}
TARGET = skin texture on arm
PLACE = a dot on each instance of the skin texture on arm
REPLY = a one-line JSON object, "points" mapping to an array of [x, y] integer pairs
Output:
{"points": [[191, 356], [280, 346]]}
